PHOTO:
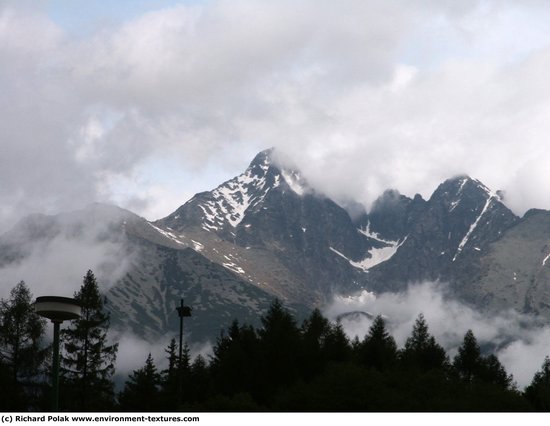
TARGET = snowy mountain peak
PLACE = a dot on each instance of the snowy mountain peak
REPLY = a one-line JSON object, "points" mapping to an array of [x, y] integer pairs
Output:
{"points": [[475, 204], [462, 184], [462, 190], [262, 161], [290, 176], [225, 207], [231, 200], [228, 203]]}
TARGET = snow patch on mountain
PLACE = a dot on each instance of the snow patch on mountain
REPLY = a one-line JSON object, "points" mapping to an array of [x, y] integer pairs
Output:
{"points": [[454, 204], [375, 236], [376, 255], [473, 226], [197, 246], [462, 183], [233, 267], [231, 200], [484, 188], [168, 234]]}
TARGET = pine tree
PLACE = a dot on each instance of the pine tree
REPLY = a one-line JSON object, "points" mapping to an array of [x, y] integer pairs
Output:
{"points": [[336, 346], [538, 392], [21, 352], [378, 349], [8, 404], [171, 376], [199, 380], [235, 361], [468, 362], [421, 350], [315, 330], [278, 348], [88, 359], [494, 372], [471, 365], [142, 389]]}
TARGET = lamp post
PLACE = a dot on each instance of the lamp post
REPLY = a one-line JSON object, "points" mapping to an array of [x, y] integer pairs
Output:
{"points": [[57, 309], [183, 311]]}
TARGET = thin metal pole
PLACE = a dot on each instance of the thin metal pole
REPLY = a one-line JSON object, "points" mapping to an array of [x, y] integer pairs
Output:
{"points": [[55, 367], [180, 366]]}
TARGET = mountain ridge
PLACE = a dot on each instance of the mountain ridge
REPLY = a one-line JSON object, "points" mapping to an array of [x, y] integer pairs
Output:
{"points": [[267, 233]]}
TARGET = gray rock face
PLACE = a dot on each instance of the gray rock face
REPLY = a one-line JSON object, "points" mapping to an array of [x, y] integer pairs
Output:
{"points": [[514, 272], [447, 235], [160, 272], [144, 300], [276, 231], [266, 233]]}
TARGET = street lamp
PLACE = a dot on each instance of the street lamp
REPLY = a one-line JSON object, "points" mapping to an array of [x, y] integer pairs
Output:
{"points": [[183, 311], [57, 309]]}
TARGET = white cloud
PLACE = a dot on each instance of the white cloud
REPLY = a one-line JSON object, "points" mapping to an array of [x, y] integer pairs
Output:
{"points": [[53, 255], [364, 96]]}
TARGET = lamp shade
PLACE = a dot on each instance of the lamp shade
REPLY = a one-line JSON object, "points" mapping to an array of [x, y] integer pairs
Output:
{"points": [[57, 308]]}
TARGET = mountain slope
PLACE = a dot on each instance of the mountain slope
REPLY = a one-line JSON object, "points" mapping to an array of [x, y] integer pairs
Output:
{"points": [[269, 226], [515, 271], [446, 235], [144, 300], [142, 271], [266, 233]]}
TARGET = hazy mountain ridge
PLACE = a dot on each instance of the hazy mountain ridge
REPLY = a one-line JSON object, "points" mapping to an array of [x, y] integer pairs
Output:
{"points": [[266, 233]]}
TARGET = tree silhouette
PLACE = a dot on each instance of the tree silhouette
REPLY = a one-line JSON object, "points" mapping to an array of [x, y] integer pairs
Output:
{"points": [[421, 350], [337, 347], [538, 392], [378, 349], [142, 389], [199, 385], [171, 375], [235, 361], [21, 351], [266, 369], [315, 330], [494, 372], [88, 359], [471, 365], [278, 348], [468, 362]]}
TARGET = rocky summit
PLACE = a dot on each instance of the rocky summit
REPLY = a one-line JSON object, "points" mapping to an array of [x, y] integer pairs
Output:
{"points": [[267, 233]]}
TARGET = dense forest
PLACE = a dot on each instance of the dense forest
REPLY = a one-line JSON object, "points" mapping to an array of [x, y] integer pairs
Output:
{"points": [[280, 366]]}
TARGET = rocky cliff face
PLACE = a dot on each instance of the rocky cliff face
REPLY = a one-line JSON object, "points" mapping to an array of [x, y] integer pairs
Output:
{"points": [[275, 231], [266, 233], [514, 271], [446, 235]]}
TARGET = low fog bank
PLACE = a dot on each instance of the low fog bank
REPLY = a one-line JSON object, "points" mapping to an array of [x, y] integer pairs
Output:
{"points": [[519, 341], [52, 258]]}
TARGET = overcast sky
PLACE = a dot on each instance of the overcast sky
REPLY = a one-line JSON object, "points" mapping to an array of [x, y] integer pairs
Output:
{"points": [[143, 103]]}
